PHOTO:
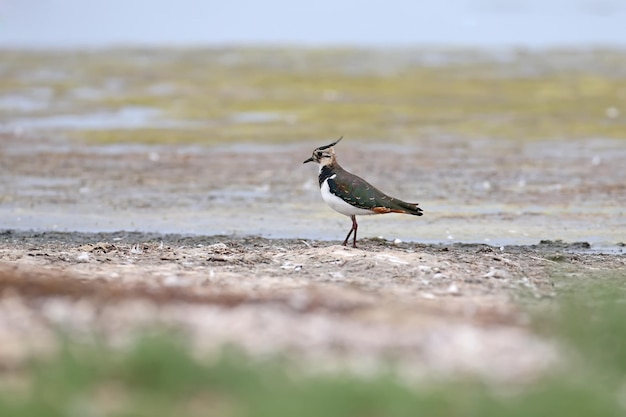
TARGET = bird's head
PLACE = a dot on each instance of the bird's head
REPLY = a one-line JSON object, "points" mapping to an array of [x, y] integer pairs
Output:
{"points": [[324, 155]]}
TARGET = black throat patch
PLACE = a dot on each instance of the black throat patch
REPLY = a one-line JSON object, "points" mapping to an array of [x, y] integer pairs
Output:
{"points": [[325, 173]]}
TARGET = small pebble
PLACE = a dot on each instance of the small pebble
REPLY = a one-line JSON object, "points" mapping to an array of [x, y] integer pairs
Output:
{"points": [[83, 257], [216, 246], [495, 273], [453, 289]]}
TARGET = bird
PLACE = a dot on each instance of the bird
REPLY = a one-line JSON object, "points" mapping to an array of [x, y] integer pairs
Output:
{"points": [[351, 195]]}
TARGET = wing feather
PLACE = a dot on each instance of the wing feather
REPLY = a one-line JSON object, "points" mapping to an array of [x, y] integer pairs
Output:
{"points": [[359, 193]]}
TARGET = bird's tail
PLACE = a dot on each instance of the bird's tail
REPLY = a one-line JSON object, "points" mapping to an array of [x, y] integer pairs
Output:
{"points": [[411, 208]]}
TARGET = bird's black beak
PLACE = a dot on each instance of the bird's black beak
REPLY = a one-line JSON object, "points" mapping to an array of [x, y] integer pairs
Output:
{"points": [[308, 160]]}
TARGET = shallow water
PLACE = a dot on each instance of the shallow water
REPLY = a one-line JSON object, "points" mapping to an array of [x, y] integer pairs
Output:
{"points": [[128, 117], [474, 185], [265, 190]]}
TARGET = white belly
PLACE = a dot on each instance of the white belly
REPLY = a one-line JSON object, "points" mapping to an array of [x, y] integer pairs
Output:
{"points": [[339, 205]]}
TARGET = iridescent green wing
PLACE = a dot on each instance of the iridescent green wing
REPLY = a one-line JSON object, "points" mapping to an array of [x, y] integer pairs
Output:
{"points": [[359, 193]]}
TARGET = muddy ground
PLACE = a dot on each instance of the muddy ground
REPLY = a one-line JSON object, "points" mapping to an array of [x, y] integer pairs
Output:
{"points": [[455, 307], [441, 310], [472, 190]]}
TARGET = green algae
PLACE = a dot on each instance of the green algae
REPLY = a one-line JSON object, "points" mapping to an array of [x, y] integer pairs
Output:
{"points": [[369, 94]]}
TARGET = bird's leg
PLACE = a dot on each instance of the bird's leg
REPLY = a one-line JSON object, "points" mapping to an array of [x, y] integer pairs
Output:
{"points": [[354, 226], [345, 242], [353, 229]]}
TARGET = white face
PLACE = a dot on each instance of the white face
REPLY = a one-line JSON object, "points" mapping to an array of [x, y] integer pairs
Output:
{"points": [[324, 157]]}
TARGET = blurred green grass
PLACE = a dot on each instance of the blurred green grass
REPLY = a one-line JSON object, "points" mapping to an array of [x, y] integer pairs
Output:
{"points": [[310, 93], [158, 376]]}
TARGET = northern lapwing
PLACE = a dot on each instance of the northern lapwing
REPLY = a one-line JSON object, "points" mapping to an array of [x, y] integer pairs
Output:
{"points": [[351, 195]]}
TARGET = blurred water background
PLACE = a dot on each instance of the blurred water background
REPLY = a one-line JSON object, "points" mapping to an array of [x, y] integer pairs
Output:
{"points": [[506, 112]]}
